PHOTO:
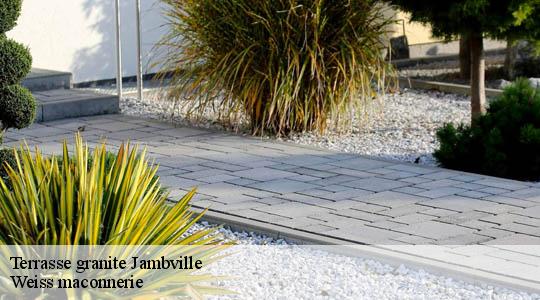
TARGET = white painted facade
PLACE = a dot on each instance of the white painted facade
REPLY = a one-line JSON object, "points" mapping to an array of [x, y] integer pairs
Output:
{"points": [[78, 36]]}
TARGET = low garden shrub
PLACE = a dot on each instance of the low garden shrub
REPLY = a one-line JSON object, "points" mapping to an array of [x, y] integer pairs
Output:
{"points": [[285, 65], [504, 142], [18, 107], [15, 62]]}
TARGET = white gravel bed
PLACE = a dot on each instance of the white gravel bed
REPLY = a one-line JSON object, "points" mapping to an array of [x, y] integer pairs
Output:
{"points": [[264, 268], [400, 127]]}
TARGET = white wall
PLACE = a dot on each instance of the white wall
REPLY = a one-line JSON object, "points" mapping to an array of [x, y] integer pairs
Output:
{"points": [[78, 36]]}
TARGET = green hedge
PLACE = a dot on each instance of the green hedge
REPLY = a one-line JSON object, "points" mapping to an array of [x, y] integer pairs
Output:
{"points": [[505, 142], [9, 13], [15, 62], [18, 107]]}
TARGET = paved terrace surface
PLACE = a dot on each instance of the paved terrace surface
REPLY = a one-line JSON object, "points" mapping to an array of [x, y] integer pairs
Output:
{"points": [[483, 222]]}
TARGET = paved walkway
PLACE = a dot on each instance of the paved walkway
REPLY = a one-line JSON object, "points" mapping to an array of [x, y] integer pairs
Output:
{"points": [[354, 199]]}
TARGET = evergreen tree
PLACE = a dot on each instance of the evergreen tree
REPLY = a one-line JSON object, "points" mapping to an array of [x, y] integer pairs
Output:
{"points": [[476, 19]]}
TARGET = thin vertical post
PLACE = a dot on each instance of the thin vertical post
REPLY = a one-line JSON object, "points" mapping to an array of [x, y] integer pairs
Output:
{"points": [[139, 52], [118, 51]]}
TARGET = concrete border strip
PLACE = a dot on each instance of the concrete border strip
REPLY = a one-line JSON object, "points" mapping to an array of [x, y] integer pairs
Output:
{"points": [[379, 253]]}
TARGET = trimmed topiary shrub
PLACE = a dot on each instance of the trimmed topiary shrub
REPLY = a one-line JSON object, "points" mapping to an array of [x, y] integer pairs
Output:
{"points": [[15, 62], [505, 142], [17, 109], [18, 106], [9, 13]]}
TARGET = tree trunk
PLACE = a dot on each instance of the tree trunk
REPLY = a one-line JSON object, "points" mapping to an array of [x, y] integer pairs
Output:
{"points": [[478, 90], [510, 60], [465, 57]]}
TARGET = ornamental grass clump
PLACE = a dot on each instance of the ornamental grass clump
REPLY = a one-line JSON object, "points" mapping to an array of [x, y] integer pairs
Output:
{"points": [[284, 65]]}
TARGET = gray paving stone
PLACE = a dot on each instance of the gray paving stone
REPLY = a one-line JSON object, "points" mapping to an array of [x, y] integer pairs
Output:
{"points": [[415, 180], [441, 192], [529, 221], [493, 190], [203, 174], [414, 218], [338, 179], [299, 223], [411, 168], [272, 200], [532, 194], [293, 210], [339, 205], [312, 172], [398, 175], [350, 172], [515, 239], [504, 218], [409, 190], [375, 184], [217, 178], [304, 178], [223, 166], [241, 181], [499, 209], [390, 199], [360, 215], [510, 201], [296, 197], [263, 174], [414, 240], [315, 192], [457, 203], [494, 233], [463, 217], [318, 228], [404, 210], [473, 194], [520, 228], [360, 164], [477, 224], [438, 212], [439, 175], [501, 183], [440, 183], [367, 207], [283, 186], [305, 160], [347, 194], [435, 230], [466, 239], [386, 224], [364, 235], [335, 188], [467, 178]]}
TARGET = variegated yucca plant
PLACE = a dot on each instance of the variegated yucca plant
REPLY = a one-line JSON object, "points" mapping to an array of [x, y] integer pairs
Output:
{"points": [[84, 199]]}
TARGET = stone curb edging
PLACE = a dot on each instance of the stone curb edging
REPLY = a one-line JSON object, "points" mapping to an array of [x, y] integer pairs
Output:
{"points": [[405, 82], [375, 252]]}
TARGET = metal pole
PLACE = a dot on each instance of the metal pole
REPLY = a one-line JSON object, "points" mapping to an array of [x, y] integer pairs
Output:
{"points": [[118, 51], [139, 52]]}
